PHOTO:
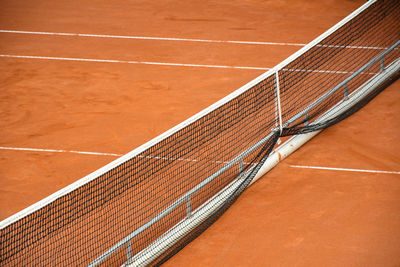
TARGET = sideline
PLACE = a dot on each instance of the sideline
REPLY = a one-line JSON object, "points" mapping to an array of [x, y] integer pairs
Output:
{"points": [[343, 169], [182, 39], [107, 154], [173, 64], [59, 151], [134, 62], [150, 38]]}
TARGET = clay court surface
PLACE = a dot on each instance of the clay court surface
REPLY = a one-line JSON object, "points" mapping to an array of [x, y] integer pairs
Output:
{"points": [[111, 94]]}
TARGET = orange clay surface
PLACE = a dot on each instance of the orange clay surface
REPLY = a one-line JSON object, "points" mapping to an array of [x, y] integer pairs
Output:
{"points": [[291, 217]]}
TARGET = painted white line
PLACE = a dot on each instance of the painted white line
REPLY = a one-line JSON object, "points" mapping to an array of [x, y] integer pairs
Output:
{"points": [[168, 64], [327, 71], [59, 151], [87, 153], [105, 154], [134, 62], [150, 38], [354, 47], [181, 39], [343, 169]]}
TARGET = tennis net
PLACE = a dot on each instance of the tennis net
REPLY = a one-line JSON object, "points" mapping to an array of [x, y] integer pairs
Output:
{"points": [[147, 205]]}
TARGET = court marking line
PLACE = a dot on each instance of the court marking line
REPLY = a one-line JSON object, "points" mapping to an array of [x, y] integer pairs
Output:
{"points": [[59, 151], [344, 169], [105, 154], [133, 62], [181, 39], [150, 38], [170, 64]]}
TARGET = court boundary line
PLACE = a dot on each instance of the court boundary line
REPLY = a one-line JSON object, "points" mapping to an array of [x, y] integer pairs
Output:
{"points": [[181, 39], [107, 154], [150, 38], [344, 169], [169, 64], [133, 62], [58, 151], [118, 155]]}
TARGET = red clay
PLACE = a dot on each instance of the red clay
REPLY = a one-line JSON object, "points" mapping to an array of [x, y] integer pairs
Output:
{"points": [[292, 217]]}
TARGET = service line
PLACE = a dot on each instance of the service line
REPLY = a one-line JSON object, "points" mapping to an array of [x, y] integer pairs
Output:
{"points": [[343, 169]]}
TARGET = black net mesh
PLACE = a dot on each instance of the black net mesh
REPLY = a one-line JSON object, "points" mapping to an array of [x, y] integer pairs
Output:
{"points": [[200, 170]]}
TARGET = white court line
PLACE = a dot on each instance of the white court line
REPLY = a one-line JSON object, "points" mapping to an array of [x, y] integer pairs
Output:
{"points": [[327, 71], [84, 152], [181, 39], [134, 62], [104, 154], [150, 38], [59, 151], [168, 64], [343, 169]]}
